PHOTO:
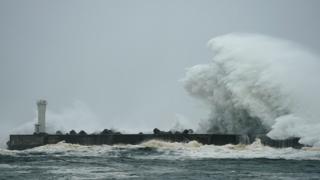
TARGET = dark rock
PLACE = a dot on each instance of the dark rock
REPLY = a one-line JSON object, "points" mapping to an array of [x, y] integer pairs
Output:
{"points": [[109, 131], [106, 131], [73, 132], [186, 131], [156, 131], [82, 132]]}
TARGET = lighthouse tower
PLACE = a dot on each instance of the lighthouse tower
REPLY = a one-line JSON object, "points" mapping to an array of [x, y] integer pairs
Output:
{"points": [[40, 127]]}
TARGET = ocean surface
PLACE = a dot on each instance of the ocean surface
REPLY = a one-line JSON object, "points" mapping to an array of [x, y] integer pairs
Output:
{"points": [[160, 160]]}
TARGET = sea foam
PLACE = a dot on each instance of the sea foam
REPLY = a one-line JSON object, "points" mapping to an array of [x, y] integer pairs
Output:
{"points": [[156, 149]]}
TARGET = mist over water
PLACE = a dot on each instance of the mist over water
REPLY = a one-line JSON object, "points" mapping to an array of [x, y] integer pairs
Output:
{"points": [[259, 84]]}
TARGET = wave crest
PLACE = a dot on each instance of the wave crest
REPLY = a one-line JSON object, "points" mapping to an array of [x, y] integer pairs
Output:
{"points": [[258, 84]]}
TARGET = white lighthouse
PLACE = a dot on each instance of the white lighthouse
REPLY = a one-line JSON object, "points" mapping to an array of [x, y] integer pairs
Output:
{"points": [[40, 127]]}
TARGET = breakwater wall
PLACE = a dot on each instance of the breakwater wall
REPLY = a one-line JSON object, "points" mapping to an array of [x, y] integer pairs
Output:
{"points": [[20, 142]]}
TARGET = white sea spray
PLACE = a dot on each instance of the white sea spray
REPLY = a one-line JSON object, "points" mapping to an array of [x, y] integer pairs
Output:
{"points": [[259, 84]]}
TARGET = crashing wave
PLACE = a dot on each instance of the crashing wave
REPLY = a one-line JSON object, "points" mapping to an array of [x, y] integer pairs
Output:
{"points": [[257, 84]]}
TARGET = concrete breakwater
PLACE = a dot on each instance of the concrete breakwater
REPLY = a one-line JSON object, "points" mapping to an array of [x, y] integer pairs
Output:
{"points": [[110, 137], [20, 142]]}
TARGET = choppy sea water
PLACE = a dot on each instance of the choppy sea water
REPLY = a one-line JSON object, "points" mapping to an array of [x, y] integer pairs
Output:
{"points": [[160, 160]]}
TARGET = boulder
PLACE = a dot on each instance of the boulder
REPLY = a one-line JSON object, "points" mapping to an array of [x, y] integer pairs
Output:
{"points": [[59, 133], [73, 132], [156, 131], [82, 132], [188, 131], [106, 131]]}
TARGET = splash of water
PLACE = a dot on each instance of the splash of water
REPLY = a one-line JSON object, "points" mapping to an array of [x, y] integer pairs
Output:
{"points": [[259, 84], [156, 149]]}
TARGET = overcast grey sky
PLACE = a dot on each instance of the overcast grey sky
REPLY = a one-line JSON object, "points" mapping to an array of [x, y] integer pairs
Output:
{"points": [[123, 58]]}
